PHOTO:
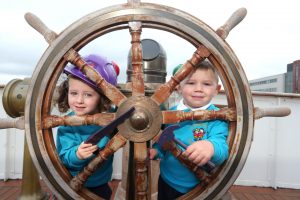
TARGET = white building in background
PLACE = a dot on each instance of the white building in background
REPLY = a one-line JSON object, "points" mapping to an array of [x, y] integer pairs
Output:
{"points": [[274, 83], [288, 82]]}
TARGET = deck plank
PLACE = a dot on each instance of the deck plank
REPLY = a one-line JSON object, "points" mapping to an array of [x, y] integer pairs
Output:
{"points": [[11, 190]]}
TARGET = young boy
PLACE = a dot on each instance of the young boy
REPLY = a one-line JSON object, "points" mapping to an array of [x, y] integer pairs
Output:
{"points": [[206, 140]]}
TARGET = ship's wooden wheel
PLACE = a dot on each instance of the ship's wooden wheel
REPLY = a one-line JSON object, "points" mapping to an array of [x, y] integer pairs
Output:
{"points": [[147, 119]]}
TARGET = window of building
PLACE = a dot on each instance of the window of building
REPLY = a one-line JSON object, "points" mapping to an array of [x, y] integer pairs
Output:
{"points": [[266, 90], [273, 80]]}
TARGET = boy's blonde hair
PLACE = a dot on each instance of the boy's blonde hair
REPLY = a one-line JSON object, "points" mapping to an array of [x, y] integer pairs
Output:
{"points": [[206, 65], [203, 65]]}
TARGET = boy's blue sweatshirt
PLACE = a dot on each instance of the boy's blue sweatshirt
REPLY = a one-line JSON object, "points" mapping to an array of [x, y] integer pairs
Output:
{"points": [[173, 172]]}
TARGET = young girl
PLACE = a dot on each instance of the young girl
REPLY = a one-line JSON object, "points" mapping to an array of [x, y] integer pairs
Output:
{"points": [[206, 140], [83, 97]]}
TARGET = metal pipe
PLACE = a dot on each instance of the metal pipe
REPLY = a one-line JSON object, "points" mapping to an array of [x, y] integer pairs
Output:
{"points": [[13, 99], [18, 123]]}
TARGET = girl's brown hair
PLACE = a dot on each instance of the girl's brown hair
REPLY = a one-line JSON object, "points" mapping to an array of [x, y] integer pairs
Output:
{"points": [[62, 98]]}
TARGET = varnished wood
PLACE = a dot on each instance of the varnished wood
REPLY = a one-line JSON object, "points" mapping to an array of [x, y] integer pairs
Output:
{"points": [[177, 153], [141, 164], [100, 119], [173, 117], [200, 54], [135, 29], [233, 20]]}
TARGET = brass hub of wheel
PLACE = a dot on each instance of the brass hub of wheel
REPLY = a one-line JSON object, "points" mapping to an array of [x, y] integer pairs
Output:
{"points": [[144, 123]]}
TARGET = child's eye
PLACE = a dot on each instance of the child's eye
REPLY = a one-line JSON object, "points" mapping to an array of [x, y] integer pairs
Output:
{"points": [[73, 93], [190, 83], [88, 95]]}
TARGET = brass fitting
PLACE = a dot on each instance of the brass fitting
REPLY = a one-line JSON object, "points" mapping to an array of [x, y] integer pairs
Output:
{"points": [[14, 97]]}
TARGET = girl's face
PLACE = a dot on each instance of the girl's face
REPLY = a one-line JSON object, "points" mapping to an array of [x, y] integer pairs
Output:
{"points": [[82, 98], [199, 88]]}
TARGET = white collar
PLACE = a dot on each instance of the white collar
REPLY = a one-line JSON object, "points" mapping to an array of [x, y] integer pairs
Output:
{"points": [[182, 106]]}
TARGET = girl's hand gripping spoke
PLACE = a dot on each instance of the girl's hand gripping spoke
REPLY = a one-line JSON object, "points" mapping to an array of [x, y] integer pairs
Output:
{"points": [[84, 150]]}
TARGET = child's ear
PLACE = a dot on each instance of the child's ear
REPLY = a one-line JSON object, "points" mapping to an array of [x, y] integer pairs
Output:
{"points": [[218, 88], [178, 88]]}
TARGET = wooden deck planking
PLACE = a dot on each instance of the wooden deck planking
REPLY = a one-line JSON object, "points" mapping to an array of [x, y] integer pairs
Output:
{"points": [[11, 190]]}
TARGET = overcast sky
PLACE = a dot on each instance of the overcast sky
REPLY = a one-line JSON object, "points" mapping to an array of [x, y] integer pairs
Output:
{"points": [[264, 42]]}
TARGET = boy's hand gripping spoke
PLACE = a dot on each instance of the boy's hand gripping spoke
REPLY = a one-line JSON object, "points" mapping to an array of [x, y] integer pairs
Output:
{"points": [[169, 144], [167, 141]]}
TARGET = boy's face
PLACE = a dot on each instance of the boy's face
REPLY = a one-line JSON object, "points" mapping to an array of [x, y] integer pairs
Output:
{"points": [[199, 88], [82, 98]]}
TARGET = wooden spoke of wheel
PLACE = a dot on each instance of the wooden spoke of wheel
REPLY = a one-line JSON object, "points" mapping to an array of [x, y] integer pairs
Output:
{"points": [[111, 147], [109, 90], [172, 117], [72, 56], [200, 54], [228, 114], [140, 155], [100, 119], [169, 117], [141, 164], [137, 59], [177, 153]]}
